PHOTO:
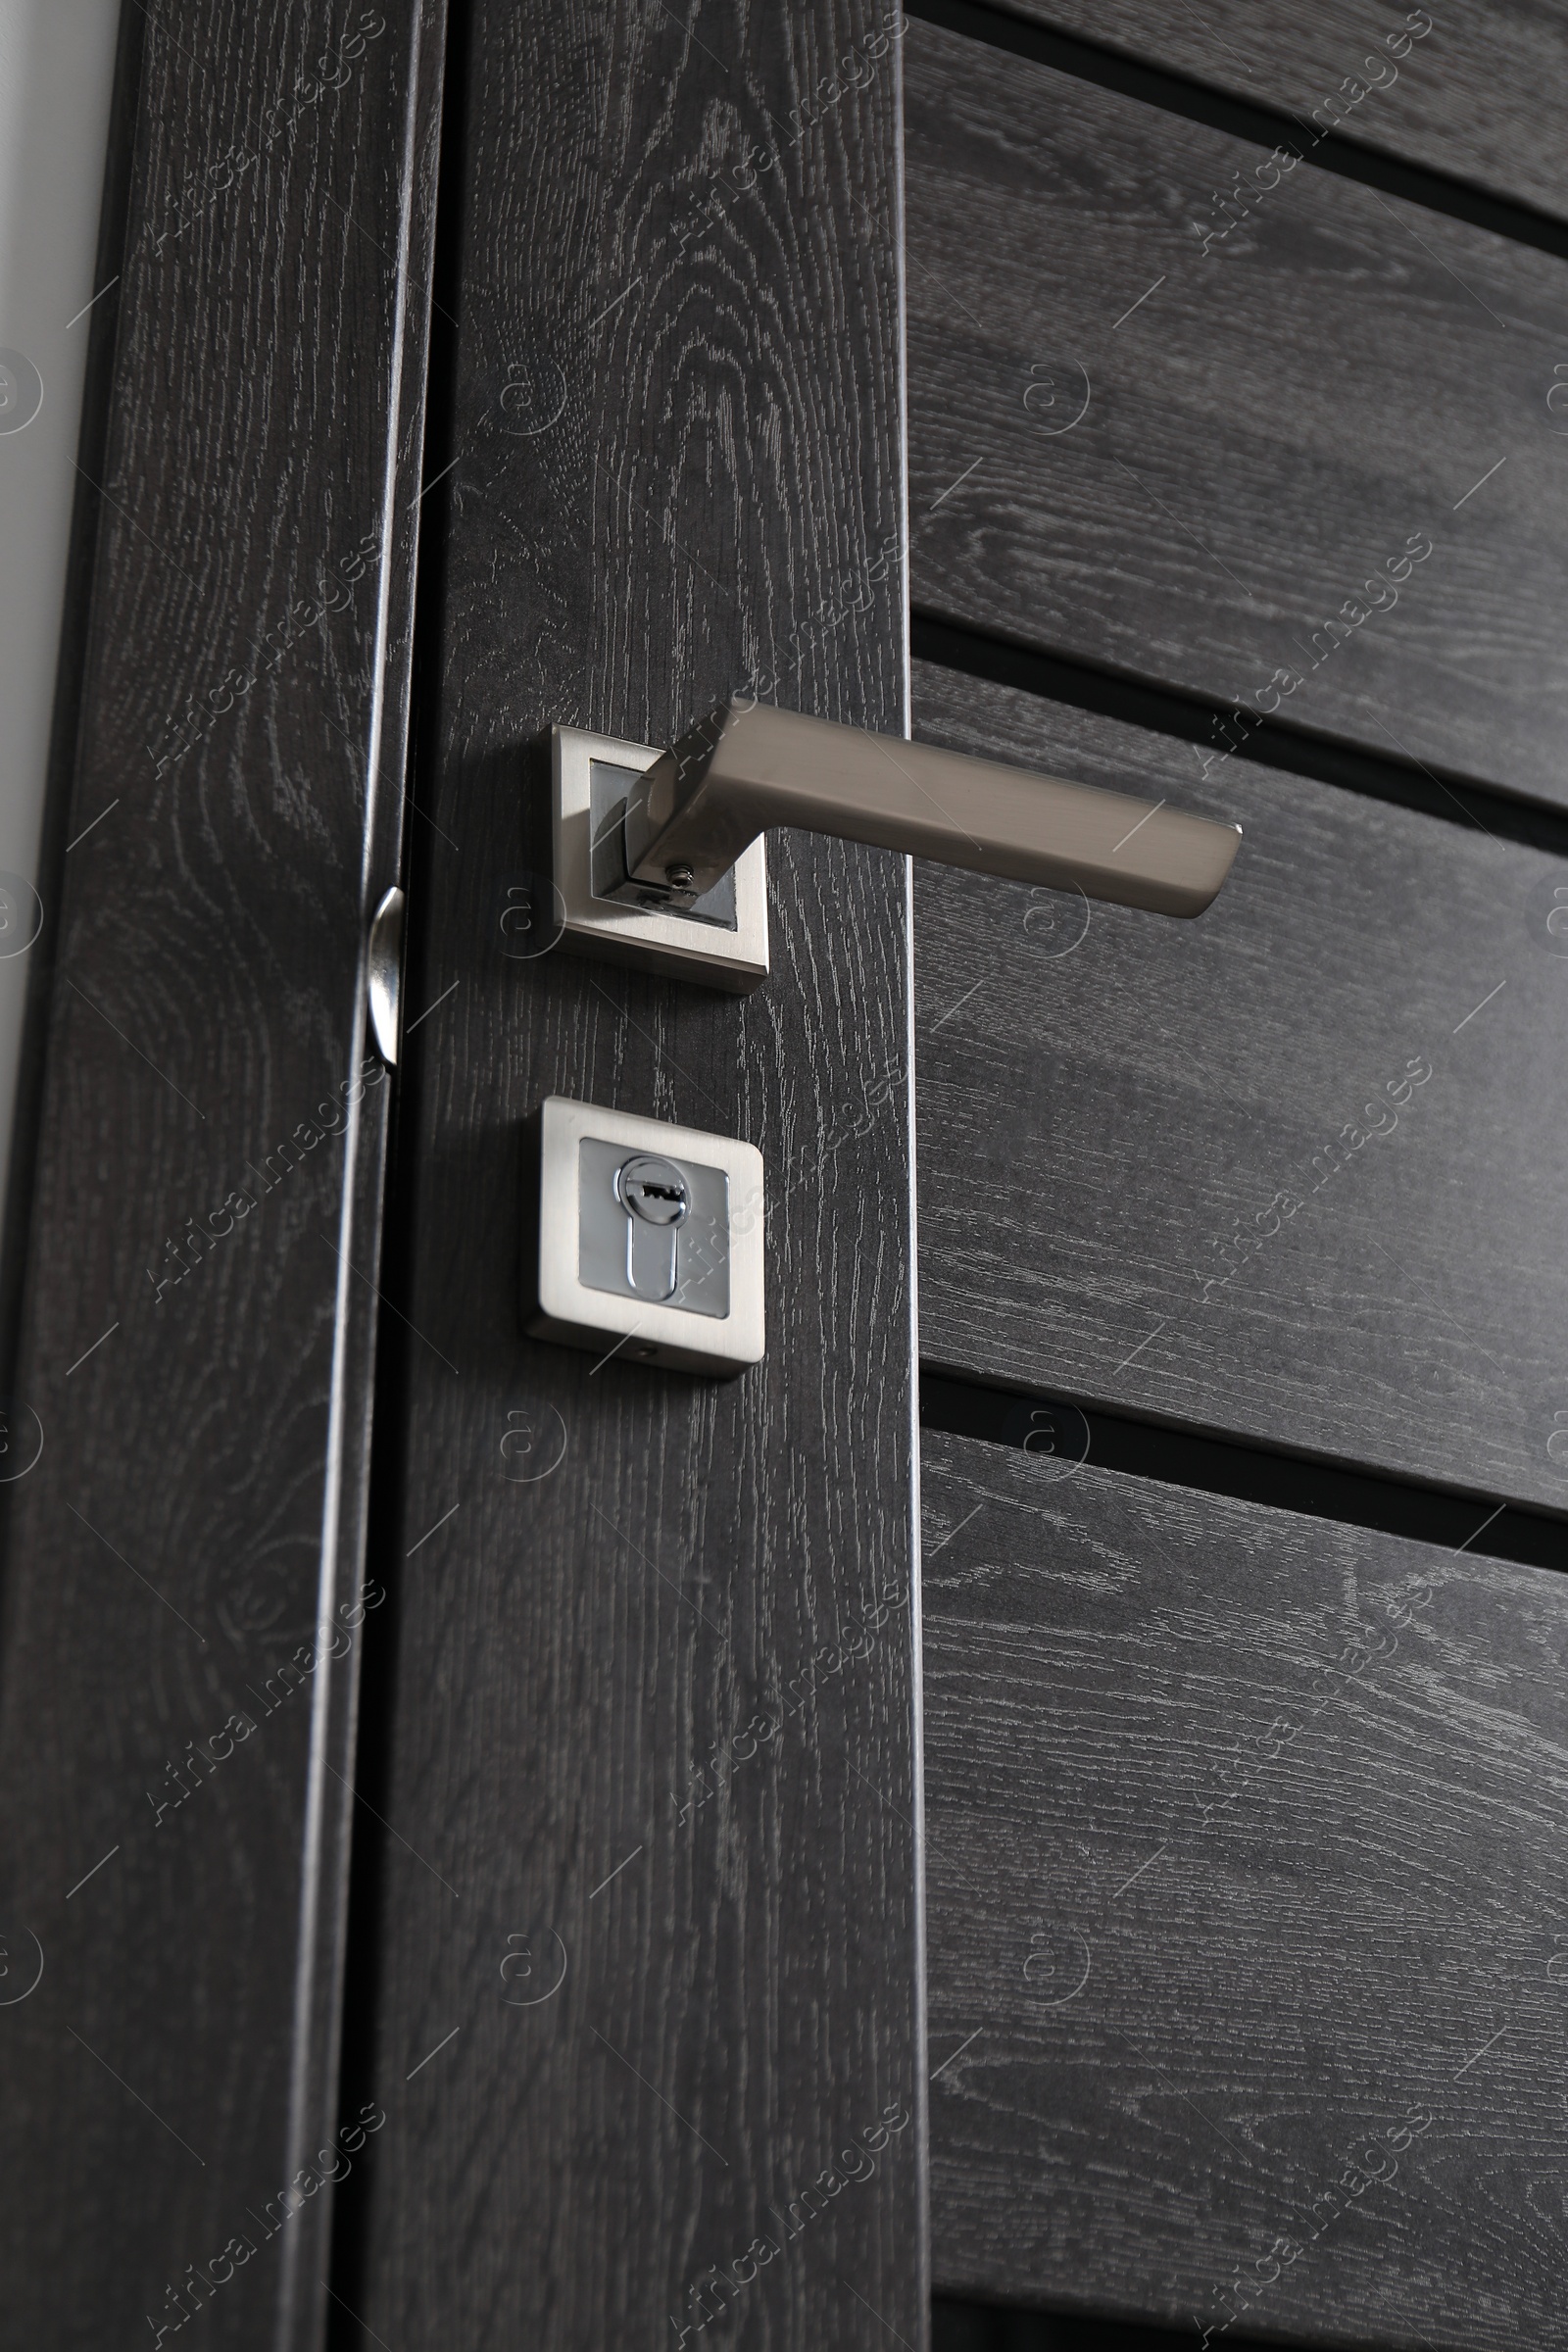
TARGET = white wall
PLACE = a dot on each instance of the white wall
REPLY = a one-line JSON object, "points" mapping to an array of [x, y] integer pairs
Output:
{"points": [[56, 67]]}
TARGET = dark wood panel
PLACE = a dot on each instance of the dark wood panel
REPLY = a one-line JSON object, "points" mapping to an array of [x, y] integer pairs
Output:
{"points": [[1249, 1916], [1476, 94], [699, 470], [203, 1192], [1316, 472], [1108, 1100]]}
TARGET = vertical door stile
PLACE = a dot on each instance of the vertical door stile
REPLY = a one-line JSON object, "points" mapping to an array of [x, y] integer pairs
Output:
{"points": [[639, 1965]]}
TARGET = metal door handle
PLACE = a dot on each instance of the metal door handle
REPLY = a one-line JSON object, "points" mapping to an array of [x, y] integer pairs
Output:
{"points": [[749, 766]]}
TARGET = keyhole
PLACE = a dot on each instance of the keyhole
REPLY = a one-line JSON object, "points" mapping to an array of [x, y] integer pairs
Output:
{"points": [[653, 1190], [658, 1199]]}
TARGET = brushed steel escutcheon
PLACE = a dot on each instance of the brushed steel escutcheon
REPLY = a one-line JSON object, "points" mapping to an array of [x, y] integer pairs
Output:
{"points": [[645, 1240], [718, 938]]}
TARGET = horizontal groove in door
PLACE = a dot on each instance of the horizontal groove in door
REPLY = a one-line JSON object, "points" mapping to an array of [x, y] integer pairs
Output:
{"points": [[993, 2328], [1294, 751], [1310, 471], [1116, 1112], [1058, 1429], [1245, 1865], [1376, 160]]}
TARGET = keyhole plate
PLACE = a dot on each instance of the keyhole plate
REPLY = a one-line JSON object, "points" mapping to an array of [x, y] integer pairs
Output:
{"points": [[650, 1240]]}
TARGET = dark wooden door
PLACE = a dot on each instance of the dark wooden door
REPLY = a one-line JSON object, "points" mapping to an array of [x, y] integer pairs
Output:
{"points": [[549, 1957], [1235, 476]]}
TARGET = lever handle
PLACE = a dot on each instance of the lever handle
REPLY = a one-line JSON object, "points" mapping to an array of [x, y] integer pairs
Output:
{"points": [[749, 766]]}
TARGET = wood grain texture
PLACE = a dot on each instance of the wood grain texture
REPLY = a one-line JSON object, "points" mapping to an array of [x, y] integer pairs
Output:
{"points": [[1272, 421], [1108, 1100], [677, 436], [1249, 1916], [197, 1506], [1479, 96]]}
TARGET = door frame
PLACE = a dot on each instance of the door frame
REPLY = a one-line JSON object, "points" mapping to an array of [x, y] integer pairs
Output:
{"points": [[234, 674]]}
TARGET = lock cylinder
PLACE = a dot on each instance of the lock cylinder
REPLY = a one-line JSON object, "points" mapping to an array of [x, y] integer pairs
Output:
{"points": [[657, 1202]]}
